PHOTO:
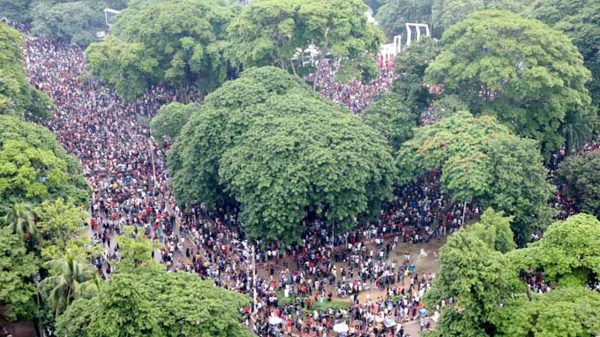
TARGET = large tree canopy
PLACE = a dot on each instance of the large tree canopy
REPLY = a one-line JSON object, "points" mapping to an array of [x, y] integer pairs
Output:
{"points": [[173, 42], [445, 13], [217, 125], [579, 20], [525, 73], [304, 156], [569, 252], [271, 32], [17, 96], [485, 297], [34, 167], [17, 267], [411, 65], [237, 135], [169, 120], [579, 177], [482, 162], [145, 303], [570, 311], [391, 118], [72, 21], [475, 276]]}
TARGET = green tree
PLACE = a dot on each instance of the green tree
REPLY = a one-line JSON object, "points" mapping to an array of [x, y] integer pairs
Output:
{"points": [[411, 64], [169, 120], [305, 157], [175, 42], [579, 20], [446, 13], [155, 304], [34, 167], [20, 218], [484, 163], [339, 29], [447, 105], [15, 10], [569, 252], [394, 14], [17, 267], [271, 32], [391, 118], [218, 124], [17, 96], [580, 177], [265, 33], [136, 252], [494, 229], [567, 311], [530, 77], [70, 278], [477, 278], [72, 21], [58, 223]]}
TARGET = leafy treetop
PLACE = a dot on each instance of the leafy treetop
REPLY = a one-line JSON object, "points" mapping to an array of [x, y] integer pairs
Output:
{"points": [[522, 71]]}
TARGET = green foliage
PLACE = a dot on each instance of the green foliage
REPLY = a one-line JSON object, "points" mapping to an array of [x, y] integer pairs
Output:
{"points": [[15, 10], [305, 157], [218, 124], [579, 20], [173, 42], [525, 73], [34, 167], [230, 149], [17, 267], [568, 311], [581, 178], [482, 162], [136, 252], [19, 217], [393, 16], [58, 223], [72, 21], [155, 304], [270, 32], [494, 229], [70, 279], [447, 105], [569, 248], [411, 64], [446, 13], [391, 118], [169, 120], [489, 300], [478, 278], [17, 96]]}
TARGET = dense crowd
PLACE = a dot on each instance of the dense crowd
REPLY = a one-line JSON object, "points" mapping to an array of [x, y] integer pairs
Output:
{"points": [[354, 94], [364, 281]]}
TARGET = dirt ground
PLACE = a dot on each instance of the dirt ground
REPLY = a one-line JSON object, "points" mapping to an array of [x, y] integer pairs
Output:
{"points": [[424, 263]]}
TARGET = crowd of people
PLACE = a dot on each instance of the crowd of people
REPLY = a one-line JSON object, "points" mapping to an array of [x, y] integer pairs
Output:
{"points": [[130, 184], [353, 94], [364, 280]]}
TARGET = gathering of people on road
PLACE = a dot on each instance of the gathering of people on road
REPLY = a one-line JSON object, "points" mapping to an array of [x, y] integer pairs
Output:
{"points": [[354, 94], [363, 282], [128, 175]]}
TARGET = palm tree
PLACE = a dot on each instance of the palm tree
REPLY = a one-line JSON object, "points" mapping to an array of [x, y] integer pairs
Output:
{"points": [[20, 217], [576, 130], [72, 279]]}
